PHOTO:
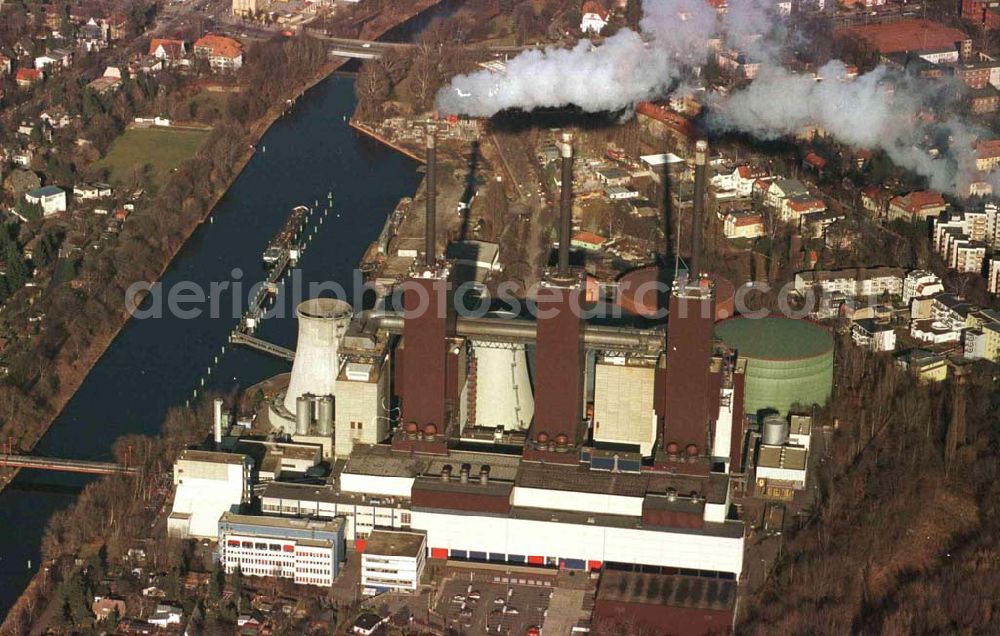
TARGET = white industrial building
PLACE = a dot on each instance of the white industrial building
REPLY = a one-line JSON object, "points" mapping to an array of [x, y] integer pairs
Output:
{"points": [[207, 484], [308, 551], [623, 402], [491, 507], [393, 562]]}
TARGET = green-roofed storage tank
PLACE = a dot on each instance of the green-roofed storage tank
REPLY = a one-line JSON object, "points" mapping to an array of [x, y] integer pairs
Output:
{"points": [[788, 361]]}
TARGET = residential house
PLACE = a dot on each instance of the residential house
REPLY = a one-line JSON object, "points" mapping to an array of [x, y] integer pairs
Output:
{"points": [[918, 205], [794, 207], [743, 224], [814, 224], [987, 154], [25, 77], [54, 59], [737, 63], [873, 335], [56, 118], [983, 343], [167, 49], [920, 284], [5, 65], [813, 161], [104, 606], [222, 53], [92, 191], [993, 278], [925, 365], [853, 282], [984, 100], [613, 176], [738, 183], [875, 201], [245, 8], [166, 615], [92, 36], [779, 190], [52, 199], [594, 17], [588, 241]]}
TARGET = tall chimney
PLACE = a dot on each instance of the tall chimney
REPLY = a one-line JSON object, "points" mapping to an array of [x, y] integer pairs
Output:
{"points": [[700, 170], [217, 422], [566, 204], [431, 231]]}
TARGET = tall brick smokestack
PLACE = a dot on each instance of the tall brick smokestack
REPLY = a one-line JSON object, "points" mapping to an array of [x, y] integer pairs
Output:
{"points": [[566, 204], [698, 220], [430, 229]]}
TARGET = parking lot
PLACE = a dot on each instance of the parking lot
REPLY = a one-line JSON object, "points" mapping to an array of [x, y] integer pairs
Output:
{"points": [[477, 607]]}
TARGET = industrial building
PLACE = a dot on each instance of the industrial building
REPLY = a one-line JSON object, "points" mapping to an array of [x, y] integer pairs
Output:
{"points": [[788, 361], [308, 551], [208, 484], [393, 562], [618, 447]]}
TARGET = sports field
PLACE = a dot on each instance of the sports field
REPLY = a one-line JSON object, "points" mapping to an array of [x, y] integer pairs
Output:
{"points": [[160, 148]]}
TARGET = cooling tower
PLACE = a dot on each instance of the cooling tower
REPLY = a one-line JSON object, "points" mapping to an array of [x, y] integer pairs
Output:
{"points": [[322, 322], [503, 387]]}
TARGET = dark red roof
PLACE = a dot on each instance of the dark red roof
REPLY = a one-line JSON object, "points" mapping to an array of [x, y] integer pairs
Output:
{"points": [[592, 6]]}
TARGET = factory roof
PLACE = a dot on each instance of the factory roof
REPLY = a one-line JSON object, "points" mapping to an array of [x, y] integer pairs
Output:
{"points": [[211, 457], [403, 544], [789, 457], [727, 529], [280, 523], [775, 338], [576, 478], [907, 35]]}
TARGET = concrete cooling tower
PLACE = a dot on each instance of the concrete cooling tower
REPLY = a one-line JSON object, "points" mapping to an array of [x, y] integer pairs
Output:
{"points": [[503, 388], [322, 323]]}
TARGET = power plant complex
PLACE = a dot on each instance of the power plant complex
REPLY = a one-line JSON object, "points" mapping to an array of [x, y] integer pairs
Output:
{"points": [[616, 447]]}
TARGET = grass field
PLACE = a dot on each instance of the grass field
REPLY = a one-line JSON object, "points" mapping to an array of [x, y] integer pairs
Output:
{"points": [[163, 149]]}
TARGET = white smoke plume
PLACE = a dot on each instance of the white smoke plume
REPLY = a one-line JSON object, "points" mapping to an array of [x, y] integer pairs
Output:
{"points": [[878, 110], [627, 68]]}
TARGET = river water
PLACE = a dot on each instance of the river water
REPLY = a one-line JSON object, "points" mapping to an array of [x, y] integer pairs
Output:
{"points": [[156, 363]]}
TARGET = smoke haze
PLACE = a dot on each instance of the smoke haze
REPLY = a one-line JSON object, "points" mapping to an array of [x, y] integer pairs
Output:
{"points": [[878, 110]]}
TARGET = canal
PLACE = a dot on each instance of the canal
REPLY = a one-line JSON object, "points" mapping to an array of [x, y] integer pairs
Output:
{"points": [[154, 364]]}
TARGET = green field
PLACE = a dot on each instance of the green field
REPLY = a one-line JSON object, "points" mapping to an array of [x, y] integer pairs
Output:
{"points": [[163, 149]]}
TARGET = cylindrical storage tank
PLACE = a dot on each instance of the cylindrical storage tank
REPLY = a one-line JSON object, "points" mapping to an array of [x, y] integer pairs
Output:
{"points": [[322, 322], [324, 415], [788, 361], [303, 414], [775, 430], [504, 396]]}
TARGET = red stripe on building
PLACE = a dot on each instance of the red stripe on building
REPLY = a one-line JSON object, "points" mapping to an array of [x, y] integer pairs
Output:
{"points": [[439, 553]]}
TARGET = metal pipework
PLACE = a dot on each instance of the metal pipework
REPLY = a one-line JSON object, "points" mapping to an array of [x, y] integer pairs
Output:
{"points": [[594, 336], [700, 170], [566, 204], [430, 221]]}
